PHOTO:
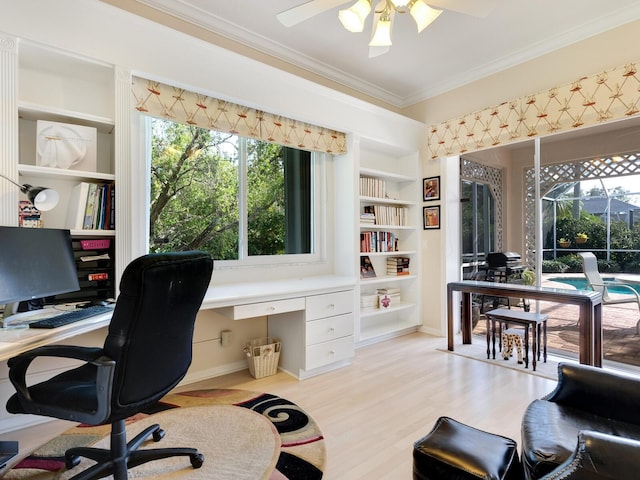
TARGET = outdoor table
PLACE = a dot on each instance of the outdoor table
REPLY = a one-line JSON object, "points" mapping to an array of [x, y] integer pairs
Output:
{"points": [[589, 317]]}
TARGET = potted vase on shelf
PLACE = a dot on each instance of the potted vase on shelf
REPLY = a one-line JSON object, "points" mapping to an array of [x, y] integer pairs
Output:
{"points": [[581, 238], [564, 242]]}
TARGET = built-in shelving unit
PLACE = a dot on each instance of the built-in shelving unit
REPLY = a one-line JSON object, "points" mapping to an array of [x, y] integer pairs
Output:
{"points": [[389, 206], [57, 87]]}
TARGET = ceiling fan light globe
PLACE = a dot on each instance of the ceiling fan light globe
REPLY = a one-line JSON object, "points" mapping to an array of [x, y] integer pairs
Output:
{"points": [[353, 17], [423, 14], [400, 3], [382, 34], [350, 21]]}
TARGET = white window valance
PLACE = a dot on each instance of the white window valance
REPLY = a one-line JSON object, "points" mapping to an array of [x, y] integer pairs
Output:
{"points": [[600, 98], [181, 105]]}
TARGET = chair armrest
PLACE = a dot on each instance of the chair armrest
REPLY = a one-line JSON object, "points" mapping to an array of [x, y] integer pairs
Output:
{"points": [[619, 284], [86, 354], [602, 392], [19, 365], [601, 456]]}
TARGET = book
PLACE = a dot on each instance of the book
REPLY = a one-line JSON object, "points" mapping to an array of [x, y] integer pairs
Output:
{"points": [[366, 268], [98, 276], [89, 207], [77, 206], [112, 210]]}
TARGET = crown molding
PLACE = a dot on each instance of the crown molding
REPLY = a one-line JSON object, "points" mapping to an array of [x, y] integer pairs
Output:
{"points": [[186, 11]]}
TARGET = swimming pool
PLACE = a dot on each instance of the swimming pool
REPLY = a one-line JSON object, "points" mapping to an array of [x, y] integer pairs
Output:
{"points": [[581, 284]]}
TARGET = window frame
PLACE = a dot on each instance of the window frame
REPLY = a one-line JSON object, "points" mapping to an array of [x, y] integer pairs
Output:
{"points": [[318, 224]]}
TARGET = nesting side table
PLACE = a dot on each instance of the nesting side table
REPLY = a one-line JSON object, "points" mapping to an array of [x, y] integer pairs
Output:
{"points": [[536, 321]]}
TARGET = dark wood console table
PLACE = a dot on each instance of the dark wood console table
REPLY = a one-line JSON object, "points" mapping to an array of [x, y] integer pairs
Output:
{"points": [[589, 317]]}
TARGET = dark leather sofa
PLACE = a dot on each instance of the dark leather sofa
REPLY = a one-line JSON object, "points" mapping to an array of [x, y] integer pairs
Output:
{"points": [[588, 428]]}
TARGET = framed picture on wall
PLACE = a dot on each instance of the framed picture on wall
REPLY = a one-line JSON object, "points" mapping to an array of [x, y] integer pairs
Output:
{"points": [[431, 217], [431, 188]]}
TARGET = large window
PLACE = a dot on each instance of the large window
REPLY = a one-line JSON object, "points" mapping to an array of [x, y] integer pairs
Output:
{"points": [[235, 197]]}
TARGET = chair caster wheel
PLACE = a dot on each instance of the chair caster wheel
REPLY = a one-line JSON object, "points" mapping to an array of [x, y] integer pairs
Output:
{"points": [[71, 461], [197, 460], [158, 435]]}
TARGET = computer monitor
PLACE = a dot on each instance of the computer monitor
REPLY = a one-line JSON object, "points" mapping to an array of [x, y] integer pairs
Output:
{"points": [[35, 263]]}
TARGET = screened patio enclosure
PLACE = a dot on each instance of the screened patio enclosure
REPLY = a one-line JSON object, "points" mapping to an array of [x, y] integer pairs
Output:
{"points": [[588, 180], [598, 198]]}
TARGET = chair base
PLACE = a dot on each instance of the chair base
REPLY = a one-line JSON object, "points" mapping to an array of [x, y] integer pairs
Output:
{"points": [[123, 456]]}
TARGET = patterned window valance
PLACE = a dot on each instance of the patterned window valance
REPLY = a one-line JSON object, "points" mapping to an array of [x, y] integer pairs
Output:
{"points": [[180, 105], [607, 96]]}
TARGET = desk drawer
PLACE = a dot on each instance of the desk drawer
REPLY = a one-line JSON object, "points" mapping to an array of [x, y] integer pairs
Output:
{"points": [[326, 353], [330, 304], [252, 310], [329, 328]]}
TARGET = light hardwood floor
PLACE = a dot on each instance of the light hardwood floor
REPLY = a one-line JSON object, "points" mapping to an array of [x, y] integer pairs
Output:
{"points": [[373, 411]]}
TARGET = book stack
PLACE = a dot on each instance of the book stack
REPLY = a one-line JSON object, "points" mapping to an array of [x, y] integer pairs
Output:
{"points": [[28, 215], [398, 266], [368, 301], [92, 207], [367, 218], [388, 297]]}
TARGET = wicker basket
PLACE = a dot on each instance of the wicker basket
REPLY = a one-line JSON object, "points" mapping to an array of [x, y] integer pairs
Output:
{"points": [[263, 356]]}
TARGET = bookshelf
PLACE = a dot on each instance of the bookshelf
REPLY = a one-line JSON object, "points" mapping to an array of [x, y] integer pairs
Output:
{"points": [[389, 229], [55, 90]]}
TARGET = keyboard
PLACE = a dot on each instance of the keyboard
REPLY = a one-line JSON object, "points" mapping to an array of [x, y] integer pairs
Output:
{"points": [[71, 316]]}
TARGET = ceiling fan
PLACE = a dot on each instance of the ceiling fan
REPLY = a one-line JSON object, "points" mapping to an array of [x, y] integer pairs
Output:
{"points": [[423, 12]]}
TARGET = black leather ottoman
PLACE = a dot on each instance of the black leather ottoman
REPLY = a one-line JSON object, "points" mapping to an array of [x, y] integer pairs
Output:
{"points": [[454, 451]]}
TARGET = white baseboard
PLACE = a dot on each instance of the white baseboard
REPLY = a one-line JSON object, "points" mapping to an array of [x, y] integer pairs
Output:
{"points": [[217, 371]]}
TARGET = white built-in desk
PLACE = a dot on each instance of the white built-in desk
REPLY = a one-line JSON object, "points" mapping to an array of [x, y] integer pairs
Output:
{"points": [[14, 341], [312, 316], [236, 301], [259, 298], [235, 294]]}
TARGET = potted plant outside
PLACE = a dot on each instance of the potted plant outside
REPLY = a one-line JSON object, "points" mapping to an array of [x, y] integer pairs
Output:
{"points": [[564, 242], [581, 238]]}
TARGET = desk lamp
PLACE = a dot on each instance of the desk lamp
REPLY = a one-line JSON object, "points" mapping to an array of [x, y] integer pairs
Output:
{"points": [[43, 198]]}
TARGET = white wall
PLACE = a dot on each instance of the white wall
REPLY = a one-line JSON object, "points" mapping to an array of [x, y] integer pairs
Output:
{"points": [[608, 50], [99, 32], [107, 34]]}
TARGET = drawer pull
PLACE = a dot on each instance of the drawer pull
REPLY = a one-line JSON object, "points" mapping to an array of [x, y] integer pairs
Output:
{"points": [[332, 306], [332, 352], [332, 329], [272, 308]]}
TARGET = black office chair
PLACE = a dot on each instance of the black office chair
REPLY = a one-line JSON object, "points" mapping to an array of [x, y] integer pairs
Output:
{"points": [[146, 353]]}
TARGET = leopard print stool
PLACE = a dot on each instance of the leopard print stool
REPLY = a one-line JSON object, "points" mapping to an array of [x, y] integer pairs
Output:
{"points": [[512, 338]]}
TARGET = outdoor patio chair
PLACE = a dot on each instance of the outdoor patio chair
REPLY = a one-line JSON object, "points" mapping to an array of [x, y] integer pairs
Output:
{"points": [[598, 284]]}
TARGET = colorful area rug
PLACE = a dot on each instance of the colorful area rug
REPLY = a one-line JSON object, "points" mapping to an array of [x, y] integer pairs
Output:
{"points": [[242, 434]]}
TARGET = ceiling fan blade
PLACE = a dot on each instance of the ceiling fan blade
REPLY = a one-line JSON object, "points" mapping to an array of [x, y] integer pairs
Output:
{"points": [[303, 12], [475, 8]]}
